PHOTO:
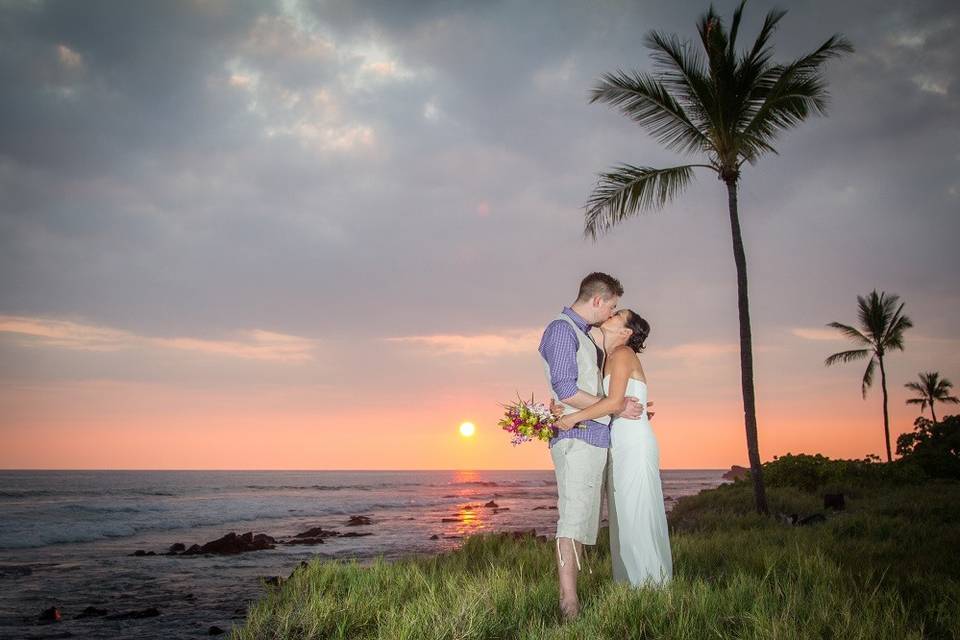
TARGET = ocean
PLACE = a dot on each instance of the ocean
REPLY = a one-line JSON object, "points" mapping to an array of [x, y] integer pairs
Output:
{"points": [[67, 537]]}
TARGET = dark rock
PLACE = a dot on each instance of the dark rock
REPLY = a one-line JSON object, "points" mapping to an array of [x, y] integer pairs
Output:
{"points": [[794, 519], [49, 615], [193, 550], [834, 501], [317, 532], [544, 507], [215, 631], [816, 518], [500, 509], [736, 473], [468, 507], [434, 537], [177, 547], [92, 612], [139, 553], [355, 534], [491, 505], [449, 519], [232, 544], [152, 612], [356, 521]]}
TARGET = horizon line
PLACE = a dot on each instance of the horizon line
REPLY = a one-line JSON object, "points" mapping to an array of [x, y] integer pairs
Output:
{"points": [[2, 469]]}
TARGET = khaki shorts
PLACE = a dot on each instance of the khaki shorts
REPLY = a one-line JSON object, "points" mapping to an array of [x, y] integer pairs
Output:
{"points": [[579, 467]]}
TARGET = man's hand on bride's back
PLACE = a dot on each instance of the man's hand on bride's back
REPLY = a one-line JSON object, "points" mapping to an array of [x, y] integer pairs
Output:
{"points": [[632, 409]]}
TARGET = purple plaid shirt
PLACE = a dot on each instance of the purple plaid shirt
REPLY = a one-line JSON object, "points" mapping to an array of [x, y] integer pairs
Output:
{"points": [[558, 346]]}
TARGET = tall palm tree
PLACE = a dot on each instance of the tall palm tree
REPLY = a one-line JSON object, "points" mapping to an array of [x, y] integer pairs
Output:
{"points": [[881, 330], [931, 388], [724, 105]]}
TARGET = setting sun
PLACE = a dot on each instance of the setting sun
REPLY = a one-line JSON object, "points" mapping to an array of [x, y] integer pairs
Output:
{"points": [[467, 429]]}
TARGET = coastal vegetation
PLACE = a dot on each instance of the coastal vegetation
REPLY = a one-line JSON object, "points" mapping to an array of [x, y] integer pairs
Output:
{"points": [[727, 107], [880, 564]]}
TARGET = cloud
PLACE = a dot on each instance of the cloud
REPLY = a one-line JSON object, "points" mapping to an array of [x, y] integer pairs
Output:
{"points": [[254, 344], [824, 334], [68, 57], [930, 84], [483, 345], [699, 350]]}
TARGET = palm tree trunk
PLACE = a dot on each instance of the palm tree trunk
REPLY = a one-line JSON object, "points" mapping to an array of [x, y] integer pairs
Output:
{"points": [[932, 413], [886, 415], [746, 353]]}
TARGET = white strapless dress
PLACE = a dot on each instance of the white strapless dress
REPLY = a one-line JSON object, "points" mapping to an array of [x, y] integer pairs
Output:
{"points": [[639, 541]]}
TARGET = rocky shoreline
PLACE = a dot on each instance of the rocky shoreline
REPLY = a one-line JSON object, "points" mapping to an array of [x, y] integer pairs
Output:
{"points": [[234, 543]]}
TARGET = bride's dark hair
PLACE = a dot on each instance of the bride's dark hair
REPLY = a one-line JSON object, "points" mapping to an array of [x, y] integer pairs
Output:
{"points": [[640, 328]]}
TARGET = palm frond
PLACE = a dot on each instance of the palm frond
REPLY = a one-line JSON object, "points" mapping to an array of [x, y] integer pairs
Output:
{"points": [[846, 356], [920, 401], [761, 53], [734, 29], [647, 102], [893, 336], [681, 72], [914, 386], [627, 190], [868, 376], [851, 333], [786, 95], [714, 40]]}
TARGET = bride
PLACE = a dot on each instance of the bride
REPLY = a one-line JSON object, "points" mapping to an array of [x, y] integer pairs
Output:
{"points": [[639, 543]]}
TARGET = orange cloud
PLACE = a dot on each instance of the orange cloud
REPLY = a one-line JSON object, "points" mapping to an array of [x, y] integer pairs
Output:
{"points": [[698, 350], [254, 344], [485, 345], [816, 334]]}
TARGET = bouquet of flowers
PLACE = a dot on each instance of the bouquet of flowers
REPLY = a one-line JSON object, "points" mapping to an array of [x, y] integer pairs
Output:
{"points": [[527, 421]]}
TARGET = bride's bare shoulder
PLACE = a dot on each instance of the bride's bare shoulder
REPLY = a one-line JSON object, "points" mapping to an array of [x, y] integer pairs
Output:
{"points": [[638, 370]]}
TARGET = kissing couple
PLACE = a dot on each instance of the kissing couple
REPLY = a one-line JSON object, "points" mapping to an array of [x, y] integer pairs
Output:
{"points": [[591, 356]]}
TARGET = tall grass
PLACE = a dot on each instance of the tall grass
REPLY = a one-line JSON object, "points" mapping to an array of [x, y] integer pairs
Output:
{"points": [[887, 567]]}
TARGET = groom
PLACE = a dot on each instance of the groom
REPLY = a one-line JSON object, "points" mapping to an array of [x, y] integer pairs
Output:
{"points": [[573, 362]]}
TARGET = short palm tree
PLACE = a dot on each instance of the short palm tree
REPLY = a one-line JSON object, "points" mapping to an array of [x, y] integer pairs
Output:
{"points": [[882, 324], [931, 388], [727, 106]]}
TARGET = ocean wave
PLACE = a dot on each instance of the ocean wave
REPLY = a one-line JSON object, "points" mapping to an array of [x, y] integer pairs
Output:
{"points": [[77, 523], [80, 493]]}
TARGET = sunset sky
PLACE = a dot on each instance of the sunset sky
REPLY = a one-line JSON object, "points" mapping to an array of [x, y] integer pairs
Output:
{"points": [[321, 235]]}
